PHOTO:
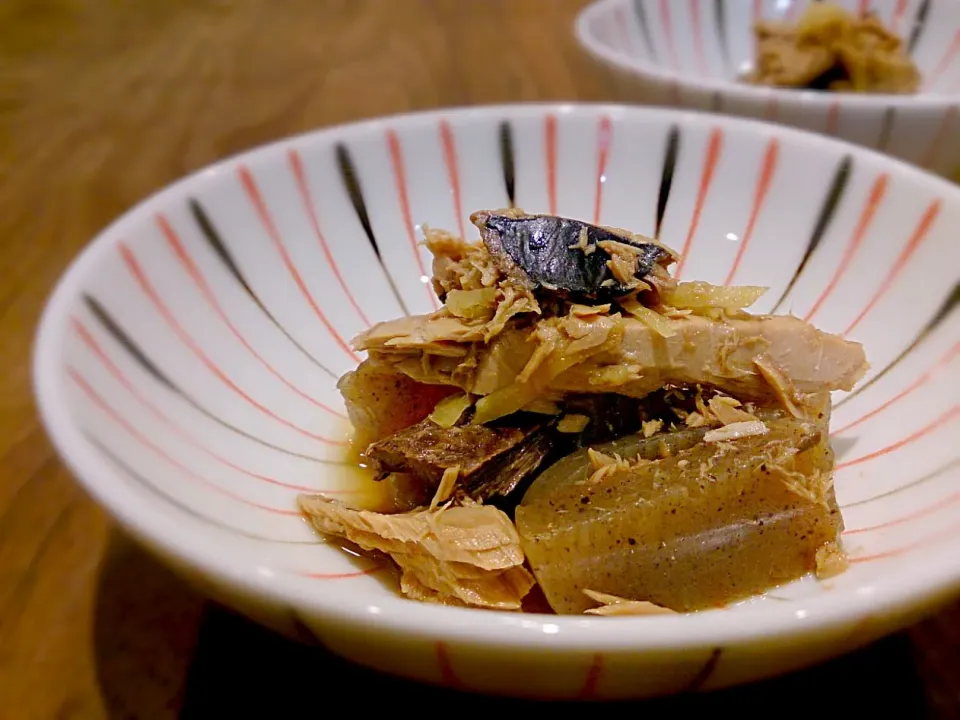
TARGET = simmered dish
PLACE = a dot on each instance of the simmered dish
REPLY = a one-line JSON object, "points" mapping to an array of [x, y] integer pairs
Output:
{"points": [[576, 426], [832, 49]]}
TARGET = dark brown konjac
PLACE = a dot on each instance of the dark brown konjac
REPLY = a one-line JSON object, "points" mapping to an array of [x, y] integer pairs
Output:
{"points": [[832, 49], [596, 428]]}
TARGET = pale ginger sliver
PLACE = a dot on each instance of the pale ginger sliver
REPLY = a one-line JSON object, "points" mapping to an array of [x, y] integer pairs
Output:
{"points": [[831, 561], [727, 410], [445, 488], [472, 303], [542, 407], [612, 605], [582, 244], [661, 324], [560, 355], [651, 427], [735, 431], [449, 410], [695, 419], [698, 295], [598, 459], [623, 262], [572, 423], [588, 310]]}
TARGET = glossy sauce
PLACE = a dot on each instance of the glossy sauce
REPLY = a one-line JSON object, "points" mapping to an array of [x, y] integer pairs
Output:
{"points": [[366, 493], [390, 495]]}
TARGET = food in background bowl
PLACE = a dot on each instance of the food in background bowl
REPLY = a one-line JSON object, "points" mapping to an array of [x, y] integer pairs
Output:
{"points": [[831, 48], [600, 429]]}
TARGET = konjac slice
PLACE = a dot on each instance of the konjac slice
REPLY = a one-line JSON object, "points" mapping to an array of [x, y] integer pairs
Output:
{"points": [[709, 524]]}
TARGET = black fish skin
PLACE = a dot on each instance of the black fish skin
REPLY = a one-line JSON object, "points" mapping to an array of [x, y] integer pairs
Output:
{"points": [[540, 246]]}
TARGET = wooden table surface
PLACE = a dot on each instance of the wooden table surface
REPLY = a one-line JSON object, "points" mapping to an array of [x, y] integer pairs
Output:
{"points": [[104, 101]]}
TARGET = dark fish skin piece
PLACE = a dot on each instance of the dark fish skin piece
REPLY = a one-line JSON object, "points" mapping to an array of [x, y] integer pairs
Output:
{"points": [[493, 460], [541, 250], [426, 449], [500, 477]]}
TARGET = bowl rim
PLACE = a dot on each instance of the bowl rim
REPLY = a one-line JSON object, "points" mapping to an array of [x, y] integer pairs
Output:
{"points": [[914, 589], [756, 93]]}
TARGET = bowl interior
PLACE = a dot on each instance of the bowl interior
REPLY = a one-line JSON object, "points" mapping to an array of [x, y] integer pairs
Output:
{"points": [[187, 365], [714, 39]]}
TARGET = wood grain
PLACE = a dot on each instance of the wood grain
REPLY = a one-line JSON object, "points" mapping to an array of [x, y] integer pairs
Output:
{"points": [[105, 101]]}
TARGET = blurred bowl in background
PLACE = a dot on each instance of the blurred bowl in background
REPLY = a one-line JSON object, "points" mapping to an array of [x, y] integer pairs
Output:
{"points": [[689, 53]]}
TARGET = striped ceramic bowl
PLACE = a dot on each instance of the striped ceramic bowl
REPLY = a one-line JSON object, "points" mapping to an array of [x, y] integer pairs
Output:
{"points": [[688, 53], [186, 369]]}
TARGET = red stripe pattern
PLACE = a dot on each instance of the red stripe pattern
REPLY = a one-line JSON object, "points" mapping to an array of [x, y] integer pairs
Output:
{"points": [[768, 169], [200, 281], [303, 187], [919, 382], [874, 200], [550, 139], [453, 171], [937, 424], [589, 689], [604, 139], [146, 286], [400, 177], [667, 22], [950, 534], [712, 158], [898, 14], [623, 32], [256, 199], [919, 235], [833, 118], [946, 122], [144, 441], [372, 570], [87, 338], [697, 29], [448, 676], [946, 60]]}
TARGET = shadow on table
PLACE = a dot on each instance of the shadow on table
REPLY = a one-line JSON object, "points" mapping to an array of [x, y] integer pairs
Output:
{"points": [[238, 665], [160, 648], [145, 634]]}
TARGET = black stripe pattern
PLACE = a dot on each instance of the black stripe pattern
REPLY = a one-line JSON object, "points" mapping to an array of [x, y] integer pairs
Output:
{"points": [[508, 162], [305, 633], [125, 341], [912, 484], [946, 309], [156, 490], [705, 672], [215, 241], [716, 101], [666, 177], [720, 17], [351, 183], [641, 12], [886, 128], [831, 202], [919, 25]]}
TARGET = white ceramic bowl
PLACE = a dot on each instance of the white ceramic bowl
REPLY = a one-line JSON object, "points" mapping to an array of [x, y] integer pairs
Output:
{"points": [[186, 368], [688, 53]]}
